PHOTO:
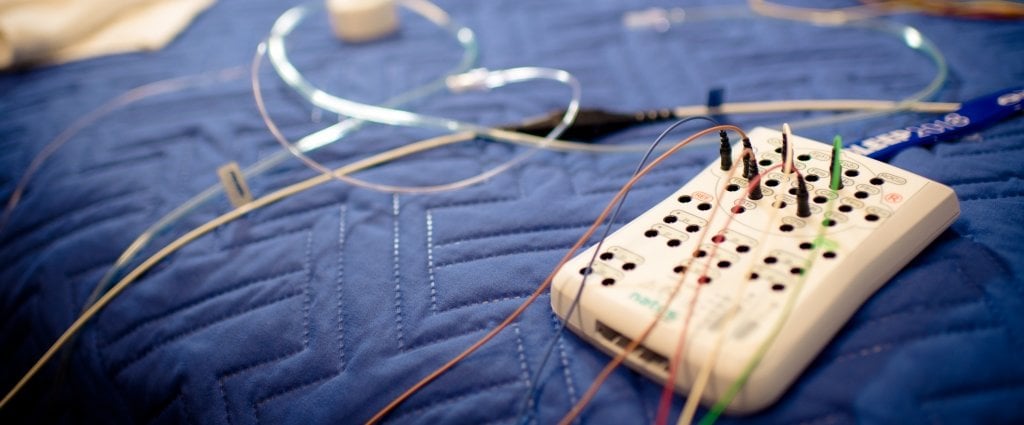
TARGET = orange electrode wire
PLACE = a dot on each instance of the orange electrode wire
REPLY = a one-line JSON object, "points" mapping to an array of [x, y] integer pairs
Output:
{"points": [[610, 367], [666, 394], [391, 406], [677, 356]]}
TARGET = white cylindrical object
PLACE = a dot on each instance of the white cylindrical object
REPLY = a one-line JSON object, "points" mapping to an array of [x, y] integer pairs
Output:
{"points": [[362, 20]]}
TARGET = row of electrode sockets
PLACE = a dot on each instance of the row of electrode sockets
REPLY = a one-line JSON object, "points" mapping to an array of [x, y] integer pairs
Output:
{"points": [[857, 201], [780, 266]]}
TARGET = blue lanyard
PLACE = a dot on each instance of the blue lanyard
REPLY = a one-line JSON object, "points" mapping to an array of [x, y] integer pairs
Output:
{"points": [[973, 115]]}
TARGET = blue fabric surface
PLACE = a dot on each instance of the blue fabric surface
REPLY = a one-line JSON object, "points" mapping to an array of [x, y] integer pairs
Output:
{"points": [[323, 307]]}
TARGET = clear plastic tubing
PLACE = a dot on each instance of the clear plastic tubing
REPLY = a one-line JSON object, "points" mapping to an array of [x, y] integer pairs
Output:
{"points": [[662, 20], [463, 35], [478, 79]]}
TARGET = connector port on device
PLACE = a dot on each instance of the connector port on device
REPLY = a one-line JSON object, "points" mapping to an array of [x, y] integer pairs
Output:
{"points": [[617, 338]]}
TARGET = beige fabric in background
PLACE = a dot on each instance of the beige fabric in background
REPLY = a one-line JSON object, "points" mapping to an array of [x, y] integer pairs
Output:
{"points": [[39, 32]]}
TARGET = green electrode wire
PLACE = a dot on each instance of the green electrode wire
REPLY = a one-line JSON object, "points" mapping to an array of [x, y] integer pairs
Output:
{"points": [[819, 242]]}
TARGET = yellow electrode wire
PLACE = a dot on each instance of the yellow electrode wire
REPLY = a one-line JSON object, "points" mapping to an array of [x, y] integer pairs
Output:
{"points": [[704, 375], [208, 227], [788, 307]]}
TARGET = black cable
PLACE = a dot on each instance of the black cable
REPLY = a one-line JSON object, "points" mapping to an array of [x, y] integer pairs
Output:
{"points": [[590, 124], [750, 170], [725, 150]]}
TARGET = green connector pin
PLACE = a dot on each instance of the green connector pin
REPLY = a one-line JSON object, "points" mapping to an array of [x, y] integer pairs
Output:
{"points": [[836, 172]]}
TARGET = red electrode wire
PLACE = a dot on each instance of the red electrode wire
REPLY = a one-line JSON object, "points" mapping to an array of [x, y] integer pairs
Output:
{"points": [[667, 388], [618, 359]]}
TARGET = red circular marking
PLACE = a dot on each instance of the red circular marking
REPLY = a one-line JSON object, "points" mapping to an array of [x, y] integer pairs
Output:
{"points": [[893, 198]]}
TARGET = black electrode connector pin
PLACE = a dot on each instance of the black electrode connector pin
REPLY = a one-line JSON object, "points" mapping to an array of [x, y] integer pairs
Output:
{"points": [[725, 150], [803, 203], [750, 171], [756, 193], [749, 163]]}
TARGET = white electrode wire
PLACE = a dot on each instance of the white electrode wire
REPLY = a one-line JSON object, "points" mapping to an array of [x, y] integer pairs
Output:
{"points": [[205, 228], [704, 373], [810, 105], [784, 316], [466, 38]]}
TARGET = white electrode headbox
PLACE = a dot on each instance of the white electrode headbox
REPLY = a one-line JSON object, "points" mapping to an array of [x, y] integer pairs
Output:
{"points": [[754, 255]]}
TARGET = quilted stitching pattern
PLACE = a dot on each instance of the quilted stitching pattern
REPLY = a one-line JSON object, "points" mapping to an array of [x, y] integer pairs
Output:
{"points": [[321, 308]]}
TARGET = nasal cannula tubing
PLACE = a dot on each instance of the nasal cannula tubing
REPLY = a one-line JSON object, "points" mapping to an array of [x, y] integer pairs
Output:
{"points": [[277, 54], [501, 78]]}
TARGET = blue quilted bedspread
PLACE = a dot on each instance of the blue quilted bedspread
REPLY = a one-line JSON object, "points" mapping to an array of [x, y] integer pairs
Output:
{"points": [[323, 307]]}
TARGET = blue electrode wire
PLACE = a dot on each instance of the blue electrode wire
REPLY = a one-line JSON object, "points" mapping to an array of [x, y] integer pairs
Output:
{"points": [[530, 398]]}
